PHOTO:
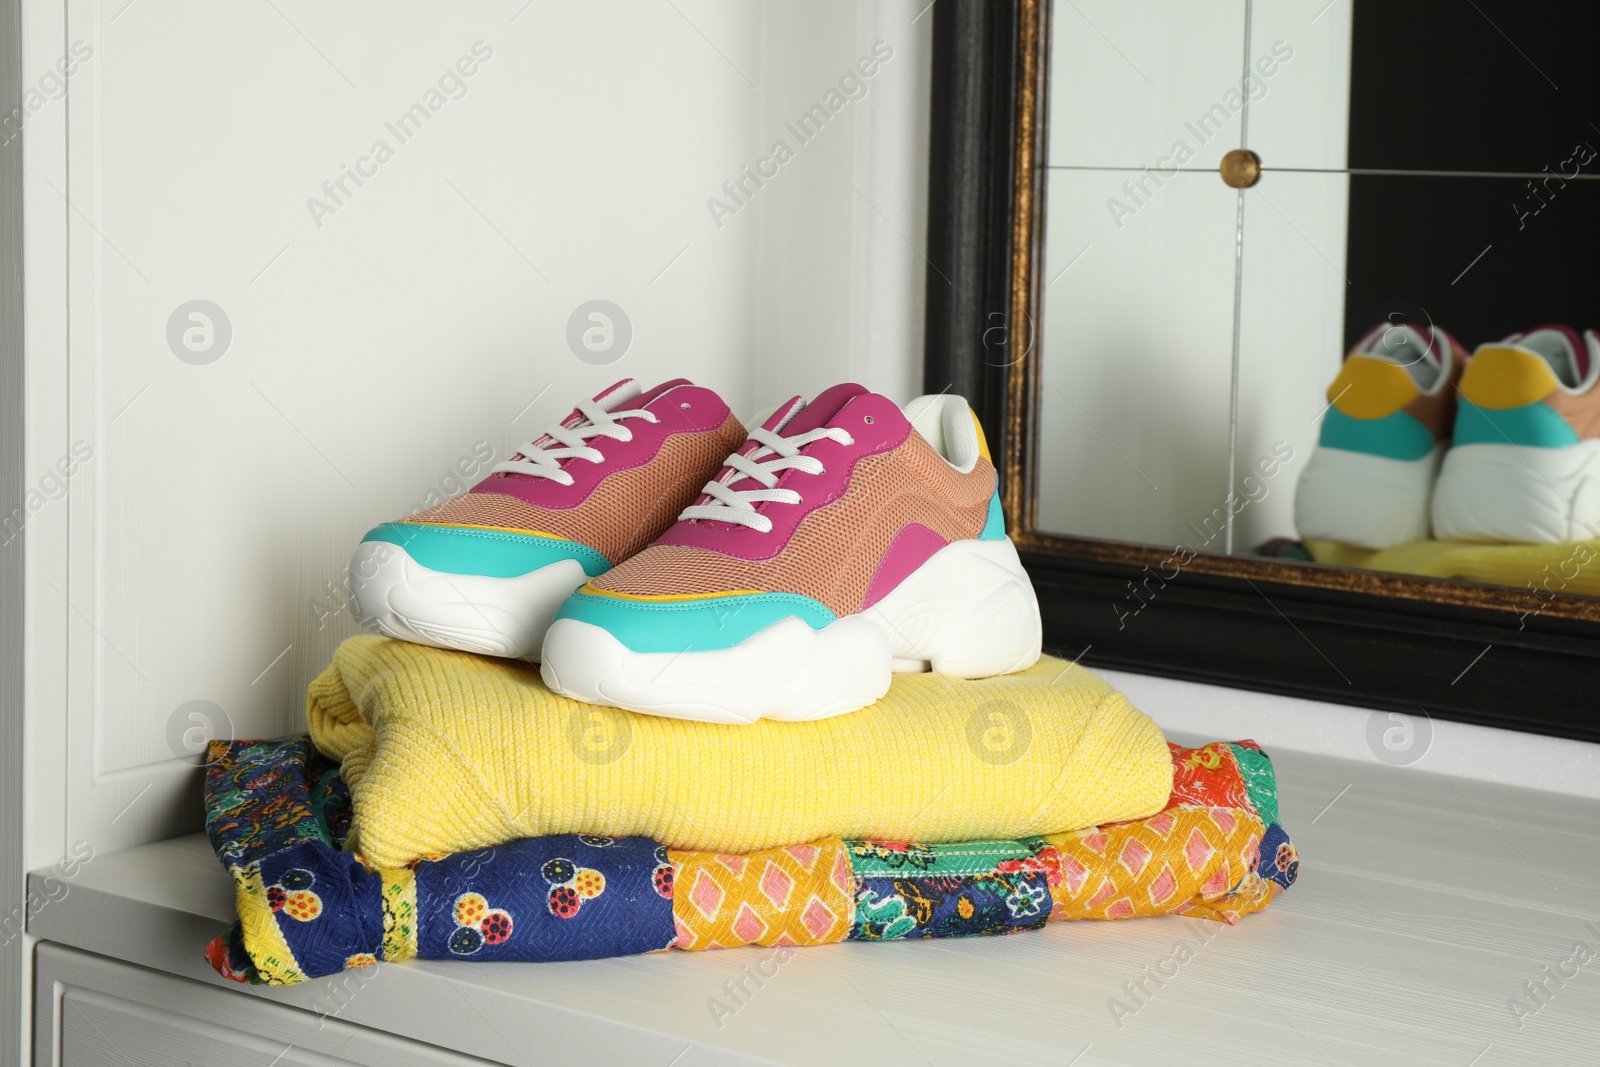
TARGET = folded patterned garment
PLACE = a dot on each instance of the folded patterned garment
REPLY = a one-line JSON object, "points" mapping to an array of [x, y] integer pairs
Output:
{"points": [[447, 752], [278, 813]]}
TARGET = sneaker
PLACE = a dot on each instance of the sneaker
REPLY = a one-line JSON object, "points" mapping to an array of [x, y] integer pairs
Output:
{"points": [[847, 539], [486, 571], [1525, 467], [1369, 481]]}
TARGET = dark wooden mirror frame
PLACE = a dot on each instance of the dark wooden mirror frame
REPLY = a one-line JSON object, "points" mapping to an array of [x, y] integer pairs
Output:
{"points": [[1492, 655]]}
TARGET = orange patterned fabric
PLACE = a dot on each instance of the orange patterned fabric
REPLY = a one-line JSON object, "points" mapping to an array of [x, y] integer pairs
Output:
{"points": [[1186, 860], [836, 549], [796, 895], [625, 512]]}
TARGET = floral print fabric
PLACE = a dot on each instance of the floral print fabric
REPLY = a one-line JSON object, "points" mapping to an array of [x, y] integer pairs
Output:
{"points": [[277, 814], [979, 887]]}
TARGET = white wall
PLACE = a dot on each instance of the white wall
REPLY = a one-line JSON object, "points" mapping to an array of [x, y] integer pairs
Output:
{"points": [[382, 338], [1398, 739], [199, 552]]}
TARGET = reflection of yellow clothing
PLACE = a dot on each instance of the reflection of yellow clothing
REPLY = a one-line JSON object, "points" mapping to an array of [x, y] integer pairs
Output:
{"points": [[1566, 568], [446, 752]]}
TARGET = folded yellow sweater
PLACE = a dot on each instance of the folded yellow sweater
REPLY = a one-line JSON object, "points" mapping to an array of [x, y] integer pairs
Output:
{"points": [[446, 752], [1549, 569]]}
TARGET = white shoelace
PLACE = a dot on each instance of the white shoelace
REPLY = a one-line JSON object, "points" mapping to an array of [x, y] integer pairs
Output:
{"points": [[544, 461], [777, 454]]}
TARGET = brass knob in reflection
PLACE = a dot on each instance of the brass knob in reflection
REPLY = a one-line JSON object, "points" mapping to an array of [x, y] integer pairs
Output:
{"points": [[1241, 168]]}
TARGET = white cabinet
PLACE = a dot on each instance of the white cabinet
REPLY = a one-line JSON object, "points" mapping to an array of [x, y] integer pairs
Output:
{"points": [[90, 1011]]}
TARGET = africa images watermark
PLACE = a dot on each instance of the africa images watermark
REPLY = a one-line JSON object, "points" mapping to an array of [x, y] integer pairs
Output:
{"points": [[1138, 992], [738, 991], [1552, 979], [52, 485], [52, 85], [337, 595], [54, 886], [1211, 527], [1204, 128], [451, 85], [1540, 195], [852, 86], [1582, 555]]}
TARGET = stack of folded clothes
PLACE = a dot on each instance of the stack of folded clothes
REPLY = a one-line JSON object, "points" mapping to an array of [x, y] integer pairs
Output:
{"points": [[450, 805], [910, 818]]}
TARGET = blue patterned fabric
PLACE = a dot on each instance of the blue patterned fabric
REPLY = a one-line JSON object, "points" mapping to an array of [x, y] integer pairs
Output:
{"points": [[1279, 860], [567, 897], [347, 899]]}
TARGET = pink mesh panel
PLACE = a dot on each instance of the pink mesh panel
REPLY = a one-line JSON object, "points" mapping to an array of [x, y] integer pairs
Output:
{"points": [[626, 511], [837, 549]]}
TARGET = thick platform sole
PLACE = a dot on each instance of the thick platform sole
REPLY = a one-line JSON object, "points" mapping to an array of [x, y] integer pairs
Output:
{"points": [[1363, 500], [969, 611], [398, 597], [1519, 495]]}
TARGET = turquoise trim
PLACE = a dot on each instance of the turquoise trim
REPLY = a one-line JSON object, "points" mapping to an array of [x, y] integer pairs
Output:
{"points": [[700, 625], [488, 553], [994, 529], [1535, 425], [1396, 436]]}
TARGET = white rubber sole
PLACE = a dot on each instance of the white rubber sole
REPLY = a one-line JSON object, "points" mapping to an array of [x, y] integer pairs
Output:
{"points": [[969, 611], [1363, 500], [398, 597], [1514, 495]]}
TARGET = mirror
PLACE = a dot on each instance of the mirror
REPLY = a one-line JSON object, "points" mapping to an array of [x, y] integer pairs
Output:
{"points": [[1315, 283]]}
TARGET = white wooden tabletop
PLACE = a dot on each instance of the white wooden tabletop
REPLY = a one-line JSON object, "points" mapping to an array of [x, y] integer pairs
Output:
{"points": [[1436, 920]]}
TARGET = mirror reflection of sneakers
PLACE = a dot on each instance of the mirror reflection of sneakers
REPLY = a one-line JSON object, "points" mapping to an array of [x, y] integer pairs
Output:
{"points": [[1525, 466], [1370, 480]]}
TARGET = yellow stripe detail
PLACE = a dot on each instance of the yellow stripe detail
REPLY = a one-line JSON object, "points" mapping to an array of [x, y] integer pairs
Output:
{"points": [[264, 942], [399, 914], [1499, 378], [592, 590], [1368, 388], [983, 442], [475, 526]]}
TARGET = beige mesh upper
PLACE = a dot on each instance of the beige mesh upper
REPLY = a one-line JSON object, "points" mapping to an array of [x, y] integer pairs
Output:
{"points": [[836, 549], [626, 511]]}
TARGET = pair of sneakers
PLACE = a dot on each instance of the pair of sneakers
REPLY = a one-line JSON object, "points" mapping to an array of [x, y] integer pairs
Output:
{"points": [[654, 556], [1422, 440]]}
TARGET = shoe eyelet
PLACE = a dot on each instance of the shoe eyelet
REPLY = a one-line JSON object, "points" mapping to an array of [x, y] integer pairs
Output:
{"points": [[867, 420], [684, 405]]}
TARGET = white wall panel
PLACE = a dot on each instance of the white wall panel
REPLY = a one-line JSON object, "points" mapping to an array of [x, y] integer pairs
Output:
{"points": [[388, 331], [828, 304]]}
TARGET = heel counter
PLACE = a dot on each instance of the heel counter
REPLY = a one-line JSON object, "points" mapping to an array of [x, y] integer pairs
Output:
{"points": [[1500, 377], [994, 527]]}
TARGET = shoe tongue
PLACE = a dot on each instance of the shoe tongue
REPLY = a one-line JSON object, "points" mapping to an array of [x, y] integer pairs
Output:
{"points": [[827, 404], [795, 416], [614, 396], [650, 396], [1410, 347], [1561, 347], [1407, 346]]}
